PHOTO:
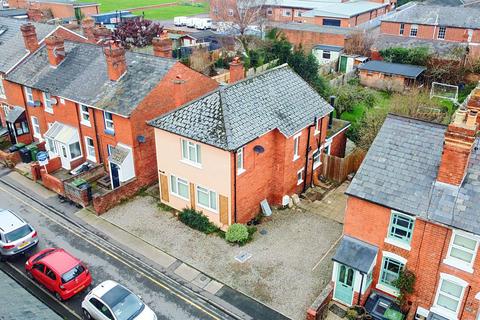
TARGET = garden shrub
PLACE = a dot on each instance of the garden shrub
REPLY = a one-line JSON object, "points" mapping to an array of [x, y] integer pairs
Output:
{"points": [[237, 233], [196, 220]]}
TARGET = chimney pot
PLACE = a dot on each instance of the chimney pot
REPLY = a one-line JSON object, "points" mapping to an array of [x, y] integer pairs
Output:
{"points": [[472, 119], [88, 25], [162, 45], [237, 71], [29, 37], [56, 50], [116, 61]]}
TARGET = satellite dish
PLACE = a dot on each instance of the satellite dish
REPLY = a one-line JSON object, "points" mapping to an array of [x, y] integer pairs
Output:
{"points": [[259, 149], [141, 139]]}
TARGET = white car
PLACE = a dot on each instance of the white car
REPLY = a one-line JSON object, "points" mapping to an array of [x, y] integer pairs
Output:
{"points": [[112, 301], [203, 24], [16, 235]]}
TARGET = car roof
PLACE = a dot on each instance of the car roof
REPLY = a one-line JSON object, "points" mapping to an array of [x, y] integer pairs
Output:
{"points": [[10, 221], [103, 288], [60, 261]]}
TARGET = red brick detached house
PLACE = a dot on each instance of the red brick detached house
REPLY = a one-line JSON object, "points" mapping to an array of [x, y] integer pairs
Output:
{"points": [[414, 204], [88, 102], [242, 144]]}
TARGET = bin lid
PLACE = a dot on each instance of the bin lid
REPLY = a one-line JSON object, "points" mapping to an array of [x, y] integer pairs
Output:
{"points": [[78, 182], [20, 145], [393, 314]]}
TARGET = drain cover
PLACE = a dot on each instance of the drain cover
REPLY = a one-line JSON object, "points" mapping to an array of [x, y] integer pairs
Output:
{"points": [[243, 256], [263, 232]]}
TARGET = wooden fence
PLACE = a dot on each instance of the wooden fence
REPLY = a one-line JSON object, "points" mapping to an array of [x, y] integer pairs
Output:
{"points": [[337, 169]]}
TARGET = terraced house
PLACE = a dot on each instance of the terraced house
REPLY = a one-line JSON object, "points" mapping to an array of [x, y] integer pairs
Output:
{"points": [[256, 140], [414, 204]]}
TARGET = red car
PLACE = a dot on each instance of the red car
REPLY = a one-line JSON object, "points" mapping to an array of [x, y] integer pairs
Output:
{"points": [[59, 271]]}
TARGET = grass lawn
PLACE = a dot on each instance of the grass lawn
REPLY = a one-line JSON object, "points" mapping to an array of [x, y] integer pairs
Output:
{"points": [[168, 13], [359, 109], [113, 5]]}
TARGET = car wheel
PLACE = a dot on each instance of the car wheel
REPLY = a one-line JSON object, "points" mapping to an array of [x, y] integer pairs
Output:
{"points": [[86, 314], [58, 296]]}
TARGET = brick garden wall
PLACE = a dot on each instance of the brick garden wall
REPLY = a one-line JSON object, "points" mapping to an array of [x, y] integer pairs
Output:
{"points": [[103, 203]]}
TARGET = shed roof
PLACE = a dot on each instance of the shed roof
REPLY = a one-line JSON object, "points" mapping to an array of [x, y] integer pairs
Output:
{"points": [[355, 254], [234, 115], [328, 48], [406, 70]]}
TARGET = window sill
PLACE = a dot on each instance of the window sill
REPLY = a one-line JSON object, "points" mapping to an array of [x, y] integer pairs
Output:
{"points": [[240, 171], [207, 208], [109, 132], [458, 264], [299, 182], [295, 158], [49, 110], [387, 289], [87, 124], [93, 159], [443, 312], [191, 163], [179, 196], [315, 166], [398, 243]]}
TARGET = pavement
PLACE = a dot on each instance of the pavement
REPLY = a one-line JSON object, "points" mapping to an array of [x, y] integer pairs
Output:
{"points": [[172, 288]]}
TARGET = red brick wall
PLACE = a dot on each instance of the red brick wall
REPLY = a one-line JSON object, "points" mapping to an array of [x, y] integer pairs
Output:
{"points": [[379, 81], [52, 183], [308, 39], [339, 142]]}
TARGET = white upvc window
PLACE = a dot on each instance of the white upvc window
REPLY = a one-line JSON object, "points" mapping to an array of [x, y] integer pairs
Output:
{"points": [[36, 127], [75, 150], [296, 146], [2, 88], [240, 161], [462, 251], [47, 102], [287, 12], [469, 35], [109, 126], [413, 30], [207, 199], [300, 176], [85, 116], [191, 152], [29, 95], [449, 297], [442, 31], [90, 148], [52, 148], [316, 159], [179, 187]]}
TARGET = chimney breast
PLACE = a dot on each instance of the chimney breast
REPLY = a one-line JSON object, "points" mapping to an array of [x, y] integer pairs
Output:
{"points": [[88, 25], [162, 45], [236, 70], [179, 92], [458, 144], [56, 50], [116, 61], [29, 37]]}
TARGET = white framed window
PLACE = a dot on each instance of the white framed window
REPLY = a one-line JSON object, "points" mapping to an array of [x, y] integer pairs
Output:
{"points": [[90, 148], [240, 161], [179, 187], [297, 13], [230, 12], [316, 159], [296, 147], [390, 269], [442, 31], [469, 35], [449, 296], [300, 176], [191, 152], [47, 102], [29, 95], [108, 119], [402, 29], [413, 30], [2, 88], [52, 148], [287, 12], [75, 150], [269, 11], [462, 251], [207, 199], [36, 127], [85, 116]]}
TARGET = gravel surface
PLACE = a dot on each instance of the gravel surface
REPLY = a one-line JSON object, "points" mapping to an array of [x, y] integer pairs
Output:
{"points": [[279, 273]]}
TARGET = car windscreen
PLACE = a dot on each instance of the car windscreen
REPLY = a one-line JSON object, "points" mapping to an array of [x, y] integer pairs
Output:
{"points": [[124, 304], [72, 274], [19, 233]]}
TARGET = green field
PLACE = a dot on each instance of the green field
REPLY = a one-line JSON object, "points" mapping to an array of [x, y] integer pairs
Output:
{"points": [[168, 13], [113, 5]]}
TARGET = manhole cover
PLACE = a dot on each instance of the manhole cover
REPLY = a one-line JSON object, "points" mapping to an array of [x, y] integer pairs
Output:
{"points": [[263, 232], [243, 256]]}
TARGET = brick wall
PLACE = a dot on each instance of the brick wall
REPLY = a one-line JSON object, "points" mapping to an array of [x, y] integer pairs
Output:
{"points": [[339, 142], [51, 182], [103, 203], [379, 81], [309, 38]]}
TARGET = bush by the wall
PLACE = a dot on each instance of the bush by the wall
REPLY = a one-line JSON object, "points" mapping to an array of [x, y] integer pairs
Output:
{"points": [[196, 220], [237, 233]]}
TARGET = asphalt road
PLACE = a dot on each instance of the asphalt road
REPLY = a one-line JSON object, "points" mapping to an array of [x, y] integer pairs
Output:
{"points": [[105, 261]]}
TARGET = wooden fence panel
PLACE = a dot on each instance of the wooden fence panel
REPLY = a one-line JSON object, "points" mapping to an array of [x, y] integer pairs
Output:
{"points": [[337, 169]]}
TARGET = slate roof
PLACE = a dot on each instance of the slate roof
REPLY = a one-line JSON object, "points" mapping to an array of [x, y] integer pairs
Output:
{"points": [[343, 10], [445, 49], [462, 17], [406, 70], [234, 115], [82, 77], [328, 48], [400, 170], [12, 47], [356, 254], [12, 12], [314, 28]]}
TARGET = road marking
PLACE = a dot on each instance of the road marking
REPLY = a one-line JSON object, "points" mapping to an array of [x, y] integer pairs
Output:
{"points": [[115, 257], [328, 251]]}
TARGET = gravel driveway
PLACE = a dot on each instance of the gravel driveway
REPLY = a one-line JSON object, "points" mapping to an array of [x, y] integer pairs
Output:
{"points": [[279, 273]]}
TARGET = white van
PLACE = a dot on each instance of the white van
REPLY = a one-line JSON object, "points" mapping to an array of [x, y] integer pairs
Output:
{"points": [[191, 22], [203, 24], [180, 21]]}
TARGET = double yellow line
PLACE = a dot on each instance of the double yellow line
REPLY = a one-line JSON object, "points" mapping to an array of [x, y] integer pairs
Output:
{"points": [[116, 257]]}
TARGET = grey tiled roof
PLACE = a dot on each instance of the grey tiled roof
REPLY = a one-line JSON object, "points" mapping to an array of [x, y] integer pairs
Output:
{"points": [[12, 47], [314, 28], [400, 170], [356, 254], [462, 17], [406, 70], [232, 116], [82, 77]]}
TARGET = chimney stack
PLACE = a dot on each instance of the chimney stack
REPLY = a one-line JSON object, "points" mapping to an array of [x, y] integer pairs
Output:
{"points": [[473, 103], [56, 50], [101, 33], [116, 61], [237, 71], [458, 144], [88, 25], [162, 45], [29, 37], [179, 92]]}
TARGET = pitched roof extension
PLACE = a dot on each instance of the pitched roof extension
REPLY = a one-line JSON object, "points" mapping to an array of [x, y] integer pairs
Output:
{"points": [[406, 70], [82, 77], [232, 116], [400, 171]]}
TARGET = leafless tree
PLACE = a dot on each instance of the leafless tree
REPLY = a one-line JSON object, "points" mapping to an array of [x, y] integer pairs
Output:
{"points": [[358, 43]]}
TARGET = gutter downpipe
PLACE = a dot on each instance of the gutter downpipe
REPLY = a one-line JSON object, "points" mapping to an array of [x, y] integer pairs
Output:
{"points": [[235, 186], [360, 292], [306, 155]]}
